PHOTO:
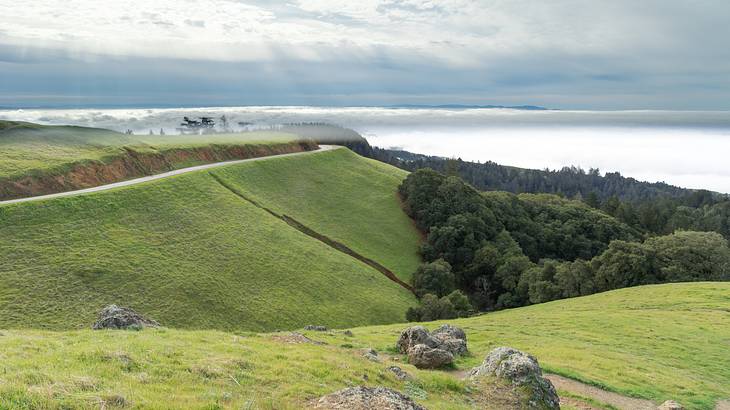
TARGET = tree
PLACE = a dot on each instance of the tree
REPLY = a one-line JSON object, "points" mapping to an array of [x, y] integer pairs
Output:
{"points": [[434, 278]]}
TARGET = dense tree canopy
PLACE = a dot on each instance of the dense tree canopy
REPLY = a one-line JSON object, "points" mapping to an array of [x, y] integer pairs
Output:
{"points": [[506, 250]]}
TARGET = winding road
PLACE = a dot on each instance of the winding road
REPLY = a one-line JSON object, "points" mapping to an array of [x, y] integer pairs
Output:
{"points": [[162, 176]]}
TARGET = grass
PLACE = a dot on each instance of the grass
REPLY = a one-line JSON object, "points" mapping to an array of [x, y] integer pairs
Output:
{"points": [[357, 205], [191, 254], [32, 149], [658, 342]]}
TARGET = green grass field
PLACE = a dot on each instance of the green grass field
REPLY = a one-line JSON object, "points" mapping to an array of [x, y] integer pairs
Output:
{"points": [[657, 342], [32, 149], [356, 204], [192, 254]]}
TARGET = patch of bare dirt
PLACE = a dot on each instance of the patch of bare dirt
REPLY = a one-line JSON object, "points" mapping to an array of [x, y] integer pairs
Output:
{"points": [[295, 338], [617, 400]]}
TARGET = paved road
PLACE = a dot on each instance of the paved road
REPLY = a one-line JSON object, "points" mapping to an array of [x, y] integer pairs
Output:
{"points": [[161, 176]]}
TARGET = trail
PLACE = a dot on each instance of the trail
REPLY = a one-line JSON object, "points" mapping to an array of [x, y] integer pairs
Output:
{"points": [[338, 246], [161, 176], [617, 400]]}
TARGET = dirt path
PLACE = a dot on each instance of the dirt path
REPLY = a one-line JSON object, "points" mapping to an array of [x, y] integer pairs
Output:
{"points": [[603, 396], [161, 176], [723, 405]]}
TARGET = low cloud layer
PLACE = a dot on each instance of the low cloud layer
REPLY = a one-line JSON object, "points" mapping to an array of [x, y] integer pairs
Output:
{"points": [[687, 149], [563, 54]]}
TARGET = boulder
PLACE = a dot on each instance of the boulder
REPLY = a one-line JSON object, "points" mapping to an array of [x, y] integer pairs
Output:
{"points": [[520, 369], [449, 331], [399, 373], [425, 357], [116, 317], [372, 355], [451, 338], [416, 335], [671, 405], [315, 328], [367, 398]]}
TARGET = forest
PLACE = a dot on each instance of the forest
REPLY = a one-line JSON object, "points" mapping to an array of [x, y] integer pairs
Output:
{"points": [[503, 250]]}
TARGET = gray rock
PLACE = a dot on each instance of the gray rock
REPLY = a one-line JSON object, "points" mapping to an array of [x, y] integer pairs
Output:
{"points": [[372, 355], [115, 317], [447, 337], [399, 373], [671, 405], [449, 331], [425, 357], [348, 333], [367, 398], [520, 369], [316, 328]]}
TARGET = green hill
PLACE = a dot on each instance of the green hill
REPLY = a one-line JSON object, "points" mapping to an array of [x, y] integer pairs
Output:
{"points": [[193, 254], [37, 159], [333, 193], [656, 342]]}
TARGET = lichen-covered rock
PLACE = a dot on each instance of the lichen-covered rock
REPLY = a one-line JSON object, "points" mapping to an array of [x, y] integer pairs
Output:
{"points": [[367, 398], [416, 335], [425, 357], [316, 328], [115, 317], [372, 355], [671, 405], [449, 331], [520, 369], [399, 373]]}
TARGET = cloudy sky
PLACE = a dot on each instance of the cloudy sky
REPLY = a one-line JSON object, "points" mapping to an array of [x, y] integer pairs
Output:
{"points": [[580, 54]]}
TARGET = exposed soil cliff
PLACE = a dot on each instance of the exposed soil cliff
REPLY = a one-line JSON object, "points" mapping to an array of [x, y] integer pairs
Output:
{"points": [[133, 164]]}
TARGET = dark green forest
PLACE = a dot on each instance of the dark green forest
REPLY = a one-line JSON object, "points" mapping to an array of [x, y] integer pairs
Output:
{"points": [[506, 250]]}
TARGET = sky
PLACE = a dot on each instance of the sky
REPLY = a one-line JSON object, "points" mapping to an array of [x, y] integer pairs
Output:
{"points": [[567, 54]]}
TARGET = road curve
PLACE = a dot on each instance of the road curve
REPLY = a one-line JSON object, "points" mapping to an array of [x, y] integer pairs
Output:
{"points": [[161, 176]]}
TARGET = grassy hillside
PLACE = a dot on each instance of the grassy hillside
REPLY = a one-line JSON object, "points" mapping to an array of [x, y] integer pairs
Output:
{"points": [[27, 148], [192, 254], [346, 197], [657, 342]]}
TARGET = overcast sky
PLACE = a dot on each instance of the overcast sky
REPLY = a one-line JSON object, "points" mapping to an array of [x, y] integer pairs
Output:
{"points": [[648, 54]]}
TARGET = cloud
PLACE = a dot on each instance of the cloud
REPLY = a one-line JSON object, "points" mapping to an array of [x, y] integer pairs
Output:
{"points": [[562, 53]]}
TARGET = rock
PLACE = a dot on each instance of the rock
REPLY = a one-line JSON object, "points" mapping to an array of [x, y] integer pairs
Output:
{"points": [[367, 398], [115, 317], [296, 338], [399, 373], [316, 328], [372, 355], [671, 405], [416, 335], [347, 333], [454, 346], [425, 357], [449, 331], [520, 369]]}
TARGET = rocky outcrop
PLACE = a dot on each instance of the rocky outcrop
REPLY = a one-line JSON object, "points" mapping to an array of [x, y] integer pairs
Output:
{"points": [[416, 335], [447, 337], [520, 369], [367, 398], [425, 357], [115, 317]]}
